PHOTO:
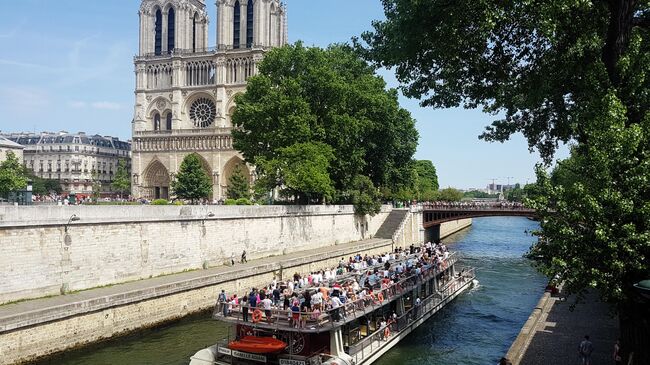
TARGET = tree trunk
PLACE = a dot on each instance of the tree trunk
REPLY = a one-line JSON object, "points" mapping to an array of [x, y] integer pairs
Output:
{"points": [[621, 20], [634, 320]]}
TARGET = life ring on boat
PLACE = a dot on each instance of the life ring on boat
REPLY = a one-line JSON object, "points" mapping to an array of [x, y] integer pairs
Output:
{"points": [[386, 332], [380, 297], [257, 315]]}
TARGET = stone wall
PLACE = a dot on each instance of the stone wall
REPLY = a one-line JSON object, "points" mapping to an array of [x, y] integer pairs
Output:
{"points": [[114, 244], [449, 228]]}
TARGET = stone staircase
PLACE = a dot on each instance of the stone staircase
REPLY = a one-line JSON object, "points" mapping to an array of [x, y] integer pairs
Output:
{"points": [[391, 224]]}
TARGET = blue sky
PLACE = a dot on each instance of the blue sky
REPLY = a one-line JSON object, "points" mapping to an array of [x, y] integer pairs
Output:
{"points": [[68, 65]]}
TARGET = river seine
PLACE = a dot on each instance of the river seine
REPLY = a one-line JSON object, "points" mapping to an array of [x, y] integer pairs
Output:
{"points": [[477, 328]]}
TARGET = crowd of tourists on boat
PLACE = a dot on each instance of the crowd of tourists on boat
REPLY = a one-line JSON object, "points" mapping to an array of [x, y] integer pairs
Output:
{"points": [[333, 293]]}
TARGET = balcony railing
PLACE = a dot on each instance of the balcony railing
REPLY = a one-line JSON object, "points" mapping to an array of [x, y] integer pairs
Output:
{"points": [[183, 132], [196, 52]]}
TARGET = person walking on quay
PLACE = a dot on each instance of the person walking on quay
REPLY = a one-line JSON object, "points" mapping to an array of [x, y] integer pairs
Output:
{"points": [[584, 351], [243, 257]]}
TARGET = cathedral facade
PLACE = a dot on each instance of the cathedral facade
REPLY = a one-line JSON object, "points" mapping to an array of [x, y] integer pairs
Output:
{"points": [[185, 89]]}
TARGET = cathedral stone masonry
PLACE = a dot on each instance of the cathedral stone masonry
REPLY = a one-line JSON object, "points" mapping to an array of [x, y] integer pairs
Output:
{"points": [[185, 90]]}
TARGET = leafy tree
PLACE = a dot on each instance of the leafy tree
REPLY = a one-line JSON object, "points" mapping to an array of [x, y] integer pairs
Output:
{"points": [[96, 185], [365, 196], [192, 182], [121, 181], [557, 71], [515, 194], [427, 179], [307, 96], [479, 194], [536, 63], [238, 185], [595, 215], [450, 195], [302, 171], [12, 175]]}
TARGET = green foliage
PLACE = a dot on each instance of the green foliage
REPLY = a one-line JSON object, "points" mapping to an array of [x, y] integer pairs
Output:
{"points": [[427, 180], [238, 185], [192, 182], [243, 201], [160, 202], [97, 186], [121, 180], [44, 186], [230, 202], [534, 62], [479, 195], [450, 195], [307, 101], [516, 194], [13, 175], [365, 196], [301, 170]]}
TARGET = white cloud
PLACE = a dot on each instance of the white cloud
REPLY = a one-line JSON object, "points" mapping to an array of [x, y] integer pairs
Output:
{"points": [[106, 105], [77, 104]]}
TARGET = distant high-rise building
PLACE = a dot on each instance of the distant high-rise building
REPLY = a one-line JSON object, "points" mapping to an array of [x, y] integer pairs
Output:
{"points": [[184, 93]]}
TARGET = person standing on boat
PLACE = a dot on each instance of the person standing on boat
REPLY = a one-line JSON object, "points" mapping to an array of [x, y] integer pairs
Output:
{"points": [[244, 308], [222, 300], [252, 298], [267, 305]]}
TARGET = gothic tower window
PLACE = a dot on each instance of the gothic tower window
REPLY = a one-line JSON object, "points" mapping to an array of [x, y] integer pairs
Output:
{"points": [[171, 30], [236, 25], [194, 32], [169, 121], [156, 122], [158, 32], [249, 24]]}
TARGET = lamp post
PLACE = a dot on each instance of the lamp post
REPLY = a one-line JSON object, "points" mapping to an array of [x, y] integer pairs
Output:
{"points": [[73, 218], [208, 216], [643, 288]]}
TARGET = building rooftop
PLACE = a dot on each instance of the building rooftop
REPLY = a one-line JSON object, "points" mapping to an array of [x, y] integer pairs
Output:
{"points": [[4, 142], [28, 138]]}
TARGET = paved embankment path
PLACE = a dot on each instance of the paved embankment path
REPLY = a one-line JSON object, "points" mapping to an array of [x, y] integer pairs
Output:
{"points": [[37, 311], [553, 332]]}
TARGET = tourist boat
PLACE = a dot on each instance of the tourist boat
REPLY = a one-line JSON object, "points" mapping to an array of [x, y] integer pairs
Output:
{"points": [[356, 334]]}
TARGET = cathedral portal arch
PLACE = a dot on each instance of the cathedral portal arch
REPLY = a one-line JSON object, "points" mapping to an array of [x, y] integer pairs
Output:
{"points": [[156, 181], [229, 169]]}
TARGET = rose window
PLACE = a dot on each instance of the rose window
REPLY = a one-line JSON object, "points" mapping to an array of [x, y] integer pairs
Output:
{"points": [[203, 112]]}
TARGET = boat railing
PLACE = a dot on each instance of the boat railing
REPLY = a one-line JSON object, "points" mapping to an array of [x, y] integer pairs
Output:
{"points": [[283, 319], [370, 344]]}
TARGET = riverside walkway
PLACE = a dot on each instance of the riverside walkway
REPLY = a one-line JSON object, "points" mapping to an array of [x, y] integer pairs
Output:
{"points": [[37, 311], [553, 332]]}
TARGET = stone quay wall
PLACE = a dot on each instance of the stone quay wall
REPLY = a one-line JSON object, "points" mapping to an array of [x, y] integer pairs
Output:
{"points": [[41, 254]]}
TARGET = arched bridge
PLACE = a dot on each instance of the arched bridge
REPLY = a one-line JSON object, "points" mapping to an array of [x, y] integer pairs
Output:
{"points": [[433, 215]]}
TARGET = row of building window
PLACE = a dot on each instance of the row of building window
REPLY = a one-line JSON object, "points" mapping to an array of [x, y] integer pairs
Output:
{"points": [[171, 28]]}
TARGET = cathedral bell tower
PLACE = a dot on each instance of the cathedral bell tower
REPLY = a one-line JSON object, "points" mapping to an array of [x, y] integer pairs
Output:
{"points": [[184, 89]]}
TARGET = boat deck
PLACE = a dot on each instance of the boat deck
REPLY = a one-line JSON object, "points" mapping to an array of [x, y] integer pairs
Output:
{"points": [[351, 310]]}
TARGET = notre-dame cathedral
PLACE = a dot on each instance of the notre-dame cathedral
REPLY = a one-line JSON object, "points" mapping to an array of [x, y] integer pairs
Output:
{"points": [[185, 89]]}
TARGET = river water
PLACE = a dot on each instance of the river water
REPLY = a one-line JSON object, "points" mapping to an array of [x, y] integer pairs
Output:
{"points": [[477, 328]]}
